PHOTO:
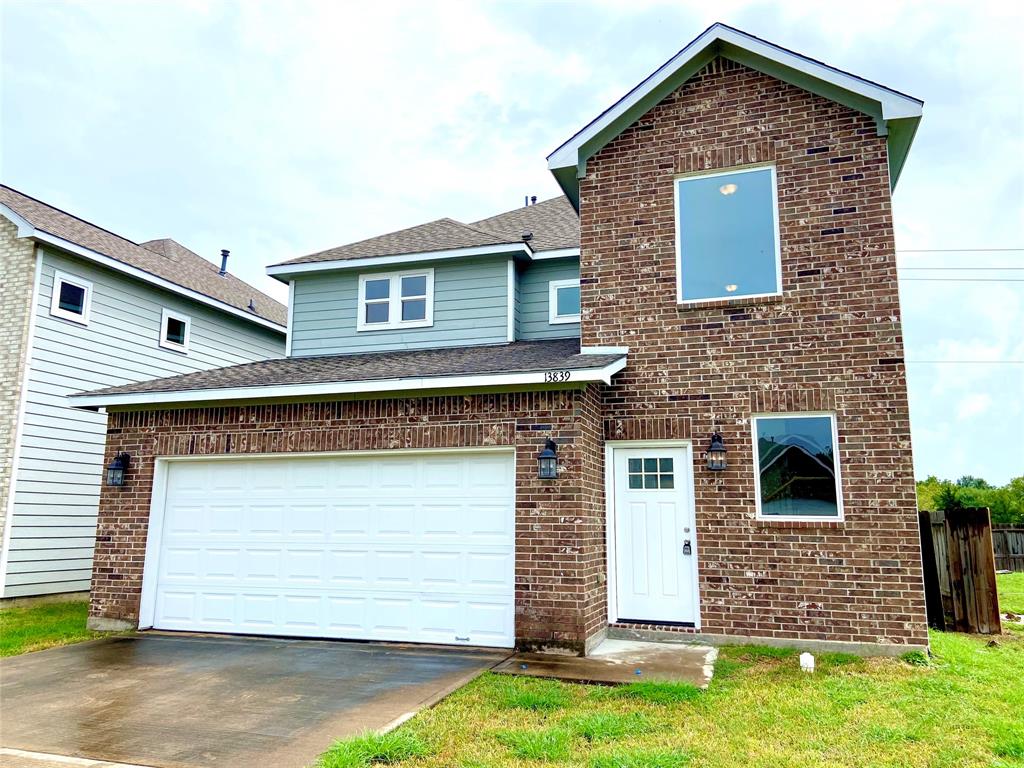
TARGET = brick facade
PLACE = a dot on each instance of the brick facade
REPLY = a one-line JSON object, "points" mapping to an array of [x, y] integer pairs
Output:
{"points": [[560, 600], [831, 342], [17, 273]]}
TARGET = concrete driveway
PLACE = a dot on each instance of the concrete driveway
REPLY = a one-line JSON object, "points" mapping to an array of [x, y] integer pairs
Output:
{"points": [[190, 701]]}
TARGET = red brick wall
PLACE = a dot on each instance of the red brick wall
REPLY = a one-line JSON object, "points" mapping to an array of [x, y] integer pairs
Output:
{"points": [[559, 524], [831, 342]]}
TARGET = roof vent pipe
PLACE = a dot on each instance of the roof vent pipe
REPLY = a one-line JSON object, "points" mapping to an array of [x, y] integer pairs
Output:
{"points": [[533, 199], [224, 261], [526, 200]]}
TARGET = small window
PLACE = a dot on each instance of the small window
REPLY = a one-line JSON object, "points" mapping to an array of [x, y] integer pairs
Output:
{"points": [[727, 235], [797, 467], [564, 301], [398, 300], [175, 330], [71, 298], [651, 474]]}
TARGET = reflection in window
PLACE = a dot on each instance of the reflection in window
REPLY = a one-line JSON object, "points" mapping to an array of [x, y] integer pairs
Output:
{"points": [[796, 462], [727, 235]]}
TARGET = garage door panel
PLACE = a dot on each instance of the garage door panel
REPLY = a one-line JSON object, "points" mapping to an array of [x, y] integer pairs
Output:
{"points": [[406, 548]]}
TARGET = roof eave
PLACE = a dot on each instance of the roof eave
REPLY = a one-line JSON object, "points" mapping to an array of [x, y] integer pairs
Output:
{"points": [[603, 374], [568, 162]]}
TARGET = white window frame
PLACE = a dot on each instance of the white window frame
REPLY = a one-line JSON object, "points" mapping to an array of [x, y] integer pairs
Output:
{"points": [[55, 310], [170, 314], [394, 301], [839, 516], [553, 287], [682, 179]]}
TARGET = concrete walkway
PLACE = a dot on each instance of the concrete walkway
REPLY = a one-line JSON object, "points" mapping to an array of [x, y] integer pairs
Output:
{"points": [[176, 701]]}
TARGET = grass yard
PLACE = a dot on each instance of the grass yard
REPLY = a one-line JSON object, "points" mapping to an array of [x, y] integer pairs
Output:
{"points": [[1011, 592], [963, 708], [43, 626]]}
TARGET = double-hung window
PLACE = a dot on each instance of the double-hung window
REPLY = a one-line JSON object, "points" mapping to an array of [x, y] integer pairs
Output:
{"points": [[564, 301], [796, 467], [727, 235], [175, 330], [396, 300], [72, 298]]}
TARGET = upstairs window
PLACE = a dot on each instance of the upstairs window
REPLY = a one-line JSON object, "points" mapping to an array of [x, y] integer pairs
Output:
{"points": [[727, 235], [564, 301], [396, 300], [797, 467], [71, 298], [175, 330]]}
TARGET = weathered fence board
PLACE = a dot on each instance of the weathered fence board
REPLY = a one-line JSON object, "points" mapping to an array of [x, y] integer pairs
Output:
{"points": [[959, 561], [1008, 544]]}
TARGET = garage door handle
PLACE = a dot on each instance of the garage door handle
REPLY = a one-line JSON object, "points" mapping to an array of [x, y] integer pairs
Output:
{"points": [[462, 639]]}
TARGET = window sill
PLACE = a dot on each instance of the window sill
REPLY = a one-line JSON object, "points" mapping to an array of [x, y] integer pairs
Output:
{"points": [[740, 301], [394, 326], [834, 524]]}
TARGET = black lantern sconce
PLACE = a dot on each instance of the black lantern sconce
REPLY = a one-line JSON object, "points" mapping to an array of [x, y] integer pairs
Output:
{"points": [[715, 453], [115, 472], [547, 461]]}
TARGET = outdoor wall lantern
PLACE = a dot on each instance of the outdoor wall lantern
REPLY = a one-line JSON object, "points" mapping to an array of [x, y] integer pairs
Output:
{"points": [[547, 461], [115, 472], [716, 453]]}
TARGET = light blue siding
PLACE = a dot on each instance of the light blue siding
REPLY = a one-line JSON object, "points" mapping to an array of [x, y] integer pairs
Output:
{"points": [[57, 485], [533, 299], [470, 307]]}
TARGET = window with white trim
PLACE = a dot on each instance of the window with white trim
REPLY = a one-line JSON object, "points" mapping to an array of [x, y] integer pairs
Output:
{"points": [[72, 298], [175, 330], [563, 301], [727, 235], [796, 467], [396, 300]]}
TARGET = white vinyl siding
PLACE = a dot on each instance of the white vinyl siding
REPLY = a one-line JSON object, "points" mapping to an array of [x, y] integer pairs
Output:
{"points": [[58, 474]]}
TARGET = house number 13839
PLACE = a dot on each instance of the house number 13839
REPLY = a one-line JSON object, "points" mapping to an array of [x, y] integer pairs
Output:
{"points": [[556, 375]]}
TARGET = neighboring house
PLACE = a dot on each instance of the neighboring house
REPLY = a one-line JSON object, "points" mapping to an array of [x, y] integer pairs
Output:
{"points": [[731, 270], [81, 308]]}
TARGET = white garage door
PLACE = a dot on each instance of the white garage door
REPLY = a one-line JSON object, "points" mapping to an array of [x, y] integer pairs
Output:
{"points": [[409, 547]]}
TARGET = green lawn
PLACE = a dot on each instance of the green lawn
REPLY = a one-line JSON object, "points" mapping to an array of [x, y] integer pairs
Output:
{"points": [[962, 709], [1011, 592], [42, 626]]}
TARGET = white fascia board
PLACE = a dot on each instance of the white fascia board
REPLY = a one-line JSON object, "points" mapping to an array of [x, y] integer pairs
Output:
{"points": [[556, 253], [572, 376], [894, 105], [27, 230], [282, 270]]}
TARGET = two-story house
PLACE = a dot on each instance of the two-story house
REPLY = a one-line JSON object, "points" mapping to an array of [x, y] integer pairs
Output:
{"points": [[81, 308], [671, 404]]}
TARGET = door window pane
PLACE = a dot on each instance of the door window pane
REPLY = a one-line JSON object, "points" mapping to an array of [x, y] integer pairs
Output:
{"points": [[796, 461], [650, 474], [727, 235]]}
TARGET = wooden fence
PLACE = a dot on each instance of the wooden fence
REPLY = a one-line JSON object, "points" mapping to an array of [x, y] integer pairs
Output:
{"points": [[1008, 544], [960, 571]]}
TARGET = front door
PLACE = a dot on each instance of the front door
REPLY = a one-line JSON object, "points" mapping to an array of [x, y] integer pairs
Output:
{"points": [[655, 537]]}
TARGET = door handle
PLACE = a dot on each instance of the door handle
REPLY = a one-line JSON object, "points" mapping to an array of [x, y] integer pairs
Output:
{"points": [[687, 549]]}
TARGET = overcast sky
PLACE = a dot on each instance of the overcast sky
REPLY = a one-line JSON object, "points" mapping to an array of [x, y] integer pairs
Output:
{"points": [[280, 128]]}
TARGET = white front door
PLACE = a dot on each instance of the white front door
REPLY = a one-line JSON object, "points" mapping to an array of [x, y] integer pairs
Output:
{"points": [[408, 547], [655, 536]]}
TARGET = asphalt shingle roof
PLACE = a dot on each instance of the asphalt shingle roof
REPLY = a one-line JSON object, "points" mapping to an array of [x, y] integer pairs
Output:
{"points": [[553, 223], [515, 357], [163, 258]]}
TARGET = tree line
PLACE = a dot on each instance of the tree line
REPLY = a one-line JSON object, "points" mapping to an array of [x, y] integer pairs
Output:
{"points": [[1005, 503]]}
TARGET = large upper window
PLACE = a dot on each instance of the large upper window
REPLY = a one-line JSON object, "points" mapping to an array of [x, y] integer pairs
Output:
{"points": [[396, 300], [797, 466], [727, 235], [564, 301], [71, 298]]}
